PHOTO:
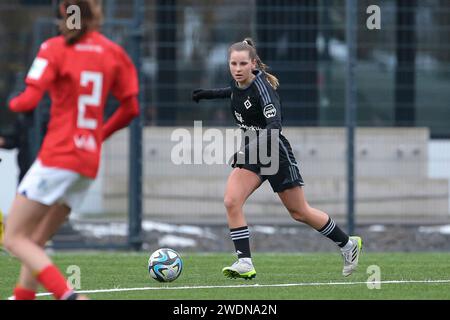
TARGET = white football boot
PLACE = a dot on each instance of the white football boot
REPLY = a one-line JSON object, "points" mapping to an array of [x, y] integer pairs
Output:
{"points": [[351, 256], [243, 268]]}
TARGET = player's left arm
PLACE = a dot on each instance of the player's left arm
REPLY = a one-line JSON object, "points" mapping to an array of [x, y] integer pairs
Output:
{"points": [[40, 77], [127, 111], [126, 89]]}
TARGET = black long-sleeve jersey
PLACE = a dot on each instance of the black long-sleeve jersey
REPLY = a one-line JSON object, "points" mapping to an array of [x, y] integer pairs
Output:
{"points": [[256, 107]]}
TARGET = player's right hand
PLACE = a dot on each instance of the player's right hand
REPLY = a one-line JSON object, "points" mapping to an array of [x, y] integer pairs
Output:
{"points": [[197, 95]]}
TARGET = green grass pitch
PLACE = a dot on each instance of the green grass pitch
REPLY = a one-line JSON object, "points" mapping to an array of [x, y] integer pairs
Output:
{"points": [[279, 276]]}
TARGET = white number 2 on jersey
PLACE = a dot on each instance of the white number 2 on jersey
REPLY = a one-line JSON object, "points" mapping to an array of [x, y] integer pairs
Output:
{"points": [[92, 100]]}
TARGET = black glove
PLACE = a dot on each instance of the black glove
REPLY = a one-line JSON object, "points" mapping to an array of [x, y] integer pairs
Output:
{"points": [[197, 95], [221, 93], [237, 160]]}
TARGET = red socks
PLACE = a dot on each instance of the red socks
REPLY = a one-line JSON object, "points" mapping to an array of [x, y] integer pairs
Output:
{"points": [[24, 294], [52, 279]]}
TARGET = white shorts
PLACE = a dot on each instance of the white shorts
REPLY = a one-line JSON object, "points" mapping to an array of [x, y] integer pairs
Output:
{"points": [[51, 186]]}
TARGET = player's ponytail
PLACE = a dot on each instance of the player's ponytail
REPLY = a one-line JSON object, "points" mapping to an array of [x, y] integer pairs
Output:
{"points": [[249, 45], [91, 19]]}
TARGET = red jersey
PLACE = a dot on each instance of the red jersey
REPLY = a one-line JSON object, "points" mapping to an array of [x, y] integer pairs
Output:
{"points": [[79, 79]]}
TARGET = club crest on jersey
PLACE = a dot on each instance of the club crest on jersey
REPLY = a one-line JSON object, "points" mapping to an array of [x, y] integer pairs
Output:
{"points": [[247, 104], [238, 117], [270, 111]]}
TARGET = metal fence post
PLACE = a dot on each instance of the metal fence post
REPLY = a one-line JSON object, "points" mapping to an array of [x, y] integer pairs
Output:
{"points": [[351, 102], [135, 161]]}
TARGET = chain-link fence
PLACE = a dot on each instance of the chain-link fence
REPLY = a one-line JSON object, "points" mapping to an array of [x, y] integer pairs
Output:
{"points": [[402, 73]]}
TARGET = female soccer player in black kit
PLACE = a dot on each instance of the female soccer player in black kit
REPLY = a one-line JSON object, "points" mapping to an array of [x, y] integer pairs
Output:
{"points": [[256, 106]]}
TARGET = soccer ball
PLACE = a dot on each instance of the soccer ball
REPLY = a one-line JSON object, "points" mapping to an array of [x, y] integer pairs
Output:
{"points": [[165, 265]]}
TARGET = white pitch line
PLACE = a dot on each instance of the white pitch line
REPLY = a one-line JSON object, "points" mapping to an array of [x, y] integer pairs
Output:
{"points": [[260, 286]]}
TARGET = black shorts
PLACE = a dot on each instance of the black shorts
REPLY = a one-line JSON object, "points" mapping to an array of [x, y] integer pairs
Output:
{"points": [[287, 177]]}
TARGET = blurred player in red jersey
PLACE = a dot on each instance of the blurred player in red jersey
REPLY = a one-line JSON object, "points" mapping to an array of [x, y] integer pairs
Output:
{"points": [[79, 69]]}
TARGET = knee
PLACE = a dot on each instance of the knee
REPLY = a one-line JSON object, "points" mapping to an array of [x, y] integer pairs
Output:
{"points": [[300, 215], [10, 243], [40, 241], [232, 203], [40, 237]]}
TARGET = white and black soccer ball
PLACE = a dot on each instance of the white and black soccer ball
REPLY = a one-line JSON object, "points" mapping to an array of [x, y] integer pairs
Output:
{"points": [[165, 265]]}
